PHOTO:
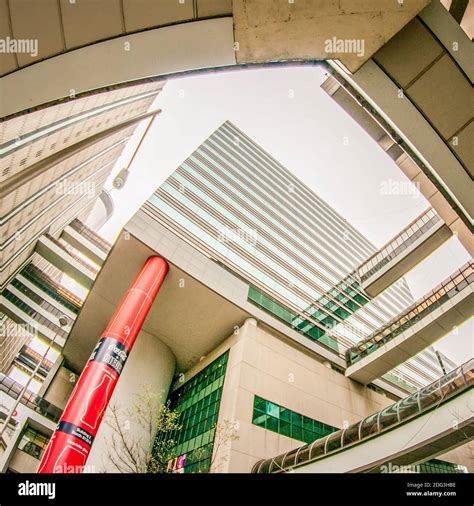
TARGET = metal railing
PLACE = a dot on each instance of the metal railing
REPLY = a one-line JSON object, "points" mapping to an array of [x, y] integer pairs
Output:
{"points": [[31, 400], [90, 235], [46, 283], [420, 402], [401, 242], [443, 293], [71, 252]]}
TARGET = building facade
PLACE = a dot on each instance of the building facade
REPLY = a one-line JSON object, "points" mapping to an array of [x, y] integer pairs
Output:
{"points": [[32, 340], [247, 338], [248, 334], [55, 161], [232, 200]]}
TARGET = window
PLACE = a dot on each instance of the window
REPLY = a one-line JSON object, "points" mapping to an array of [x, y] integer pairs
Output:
{"points": [[311, 331], [271, 416], [198, 402], [440, 466], [33, 442]]}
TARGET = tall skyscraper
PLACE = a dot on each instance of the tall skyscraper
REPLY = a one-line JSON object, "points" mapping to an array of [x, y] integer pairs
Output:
{"points": [[55, 161], [251, 335], [237, 204], [37, 296], [32, 336]]}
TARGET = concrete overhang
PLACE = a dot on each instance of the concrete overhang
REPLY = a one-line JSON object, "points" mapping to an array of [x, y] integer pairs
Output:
{"points": [[415, 339], [187, 316], [407, 260], [191, 320], [311, 29]]}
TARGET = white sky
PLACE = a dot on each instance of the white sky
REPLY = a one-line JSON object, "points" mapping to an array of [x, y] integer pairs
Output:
{"points": [[285, 111]]}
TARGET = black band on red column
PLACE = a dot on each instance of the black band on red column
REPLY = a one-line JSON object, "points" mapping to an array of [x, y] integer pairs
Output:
{"points": [[76, 431], [111, 352]]}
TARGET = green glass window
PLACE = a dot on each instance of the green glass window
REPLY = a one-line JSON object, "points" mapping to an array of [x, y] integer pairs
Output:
{"points": [[198, 402], [271, 416], [441, 466], [305, 327]]}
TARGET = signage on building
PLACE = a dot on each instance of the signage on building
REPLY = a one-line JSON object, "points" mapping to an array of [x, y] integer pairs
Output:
{"points": [[176, 465]]}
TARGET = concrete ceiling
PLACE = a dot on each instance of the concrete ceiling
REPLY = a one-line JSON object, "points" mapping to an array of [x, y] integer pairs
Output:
{"points": [[62, 25], [188, 317], [270, 31]]}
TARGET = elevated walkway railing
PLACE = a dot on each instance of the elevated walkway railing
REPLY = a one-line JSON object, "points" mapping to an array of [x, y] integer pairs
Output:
{"points": [[92, 236], [443, 293], [396, 246], [430, 397]]}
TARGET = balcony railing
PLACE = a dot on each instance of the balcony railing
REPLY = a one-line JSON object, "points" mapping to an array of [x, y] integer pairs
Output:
{"points": [[31, 400], [70, 251], [90, 235], [33, 274], [400, 243], [444, 292], [33, 314]]}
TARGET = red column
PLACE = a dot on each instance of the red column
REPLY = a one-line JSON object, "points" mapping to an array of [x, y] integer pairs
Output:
{"points": [[71, 442]]}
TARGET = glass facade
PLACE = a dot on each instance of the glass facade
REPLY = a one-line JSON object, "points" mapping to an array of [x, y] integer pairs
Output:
{"points": [[437, 466], [38, 317], [235, 203], [35, 297], [198, 402], [271, 416], [29, 399], [314, 333], [50, 287]]}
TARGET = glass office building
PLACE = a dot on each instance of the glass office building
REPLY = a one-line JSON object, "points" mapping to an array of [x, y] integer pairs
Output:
{"points": [[235, 203]]}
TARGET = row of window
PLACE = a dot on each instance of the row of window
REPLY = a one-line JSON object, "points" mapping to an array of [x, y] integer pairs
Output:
{"points": [[225, 156], [305, 327], [213, 163], [271, 416], [198, 402], [41, 280], [38, 317], [440, 466], [29, 399], [36, 298]]}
